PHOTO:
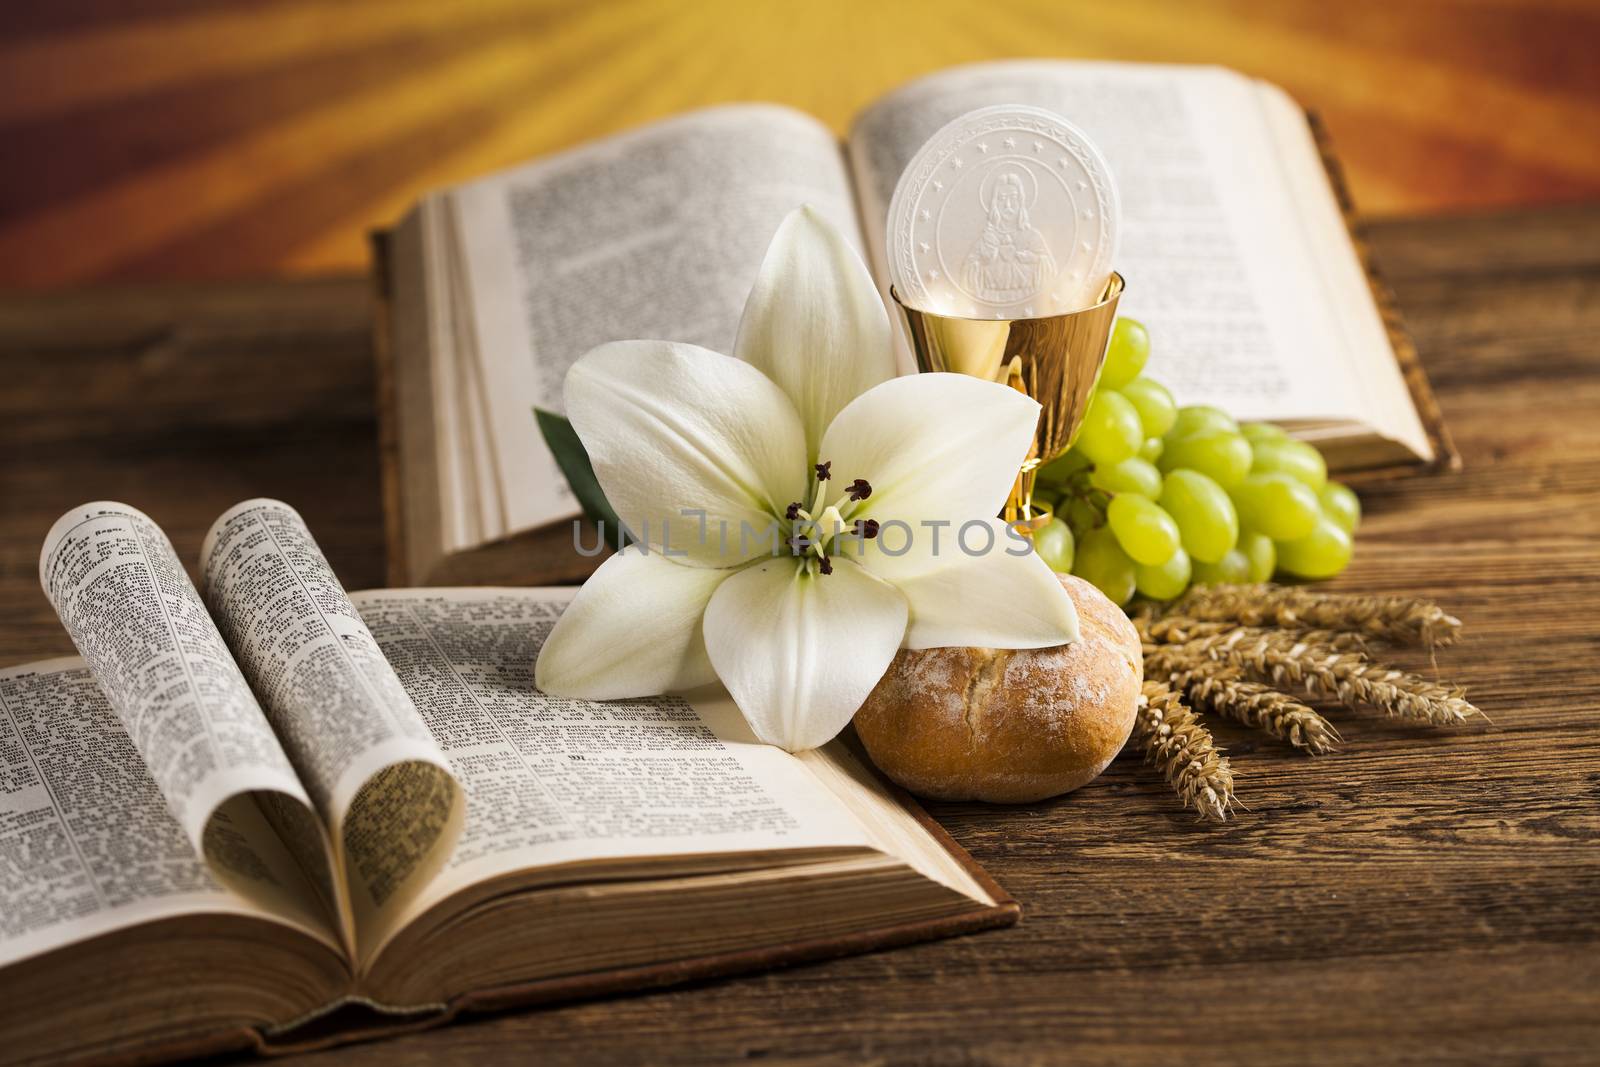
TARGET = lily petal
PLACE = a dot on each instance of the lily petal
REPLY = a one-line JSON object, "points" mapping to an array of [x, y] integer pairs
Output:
{"points": [[932, 446], [981, 585], [801, 652], [814, 322], [691, 447], [633, 630]]}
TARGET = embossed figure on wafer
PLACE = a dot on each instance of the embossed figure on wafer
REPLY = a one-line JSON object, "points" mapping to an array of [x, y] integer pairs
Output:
{"points": [[1011, 261], [1008, 212]]}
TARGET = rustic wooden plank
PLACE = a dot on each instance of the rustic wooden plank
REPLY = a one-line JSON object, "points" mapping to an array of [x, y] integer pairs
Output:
{"points": [[946, 1004], [1499, 245], [1420, 895], [183, 401]]}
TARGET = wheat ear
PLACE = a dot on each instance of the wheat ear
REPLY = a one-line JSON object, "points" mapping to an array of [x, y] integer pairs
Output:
{"points": [[1306, 659], [1173, 739], [1396, 619], [1221, 688], [1182, 629]]}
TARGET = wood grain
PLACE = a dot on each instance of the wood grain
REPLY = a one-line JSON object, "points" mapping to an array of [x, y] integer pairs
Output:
{"points": [[1420, 896], [178, 138]]}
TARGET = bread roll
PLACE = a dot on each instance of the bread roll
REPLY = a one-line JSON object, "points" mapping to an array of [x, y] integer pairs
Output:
{"points": [[1009, 726]]}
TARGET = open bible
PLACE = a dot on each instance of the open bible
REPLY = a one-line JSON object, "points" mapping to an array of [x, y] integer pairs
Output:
{"points": [[264, 813], [1236, 246]]}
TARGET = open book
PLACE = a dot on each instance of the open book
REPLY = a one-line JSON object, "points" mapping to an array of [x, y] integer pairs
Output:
{"points": [[1234, 247], [265, 813]]}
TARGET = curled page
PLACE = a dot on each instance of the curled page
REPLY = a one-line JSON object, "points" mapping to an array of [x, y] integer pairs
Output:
{"points": [[363, 751], [131, 610], [92, 845]]}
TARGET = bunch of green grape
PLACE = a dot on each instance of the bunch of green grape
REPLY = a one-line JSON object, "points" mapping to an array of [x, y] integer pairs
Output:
{"points": [[1152, 497]]}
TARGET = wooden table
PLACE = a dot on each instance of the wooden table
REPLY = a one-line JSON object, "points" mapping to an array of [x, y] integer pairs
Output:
{"points": [[1420, 895]]}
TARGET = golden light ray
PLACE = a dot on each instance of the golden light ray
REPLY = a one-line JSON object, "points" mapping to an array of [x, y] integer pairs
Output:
{"points": [[116, 223], [591, 109], [61, 72], [1459, 103]]}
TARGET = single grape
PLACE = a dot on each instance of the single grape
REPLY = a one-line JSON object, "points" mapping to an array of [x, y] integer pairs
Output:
{"points": [[1132, 475], [1165, 580], [1101, 562], [1145, 532], [1197, 417], [1220, 455], [1111, 429], [1294, 458], [1151, 450], [1232, 569], [1261, 552], [1276, 504], [1060, 470], [1321, 554], [1340, 503], [1157, 410], [1054, 543], [1206, 520], [1126, 354], [1082, 516], [1257, 432]]}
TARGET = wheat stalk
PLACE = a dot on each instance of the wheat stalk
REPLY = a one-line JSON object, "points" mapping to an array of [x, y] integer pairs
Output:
{"points": [[1397, 619], [1182, 629], [1230, 650], [1216, 686], [1173, 739], [1309, 660], [1177, 629]]}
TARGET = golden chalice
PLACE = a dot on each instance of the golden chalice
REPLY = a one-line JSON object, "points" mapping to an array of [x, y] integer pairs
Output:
{"points": [[1055, 359]]}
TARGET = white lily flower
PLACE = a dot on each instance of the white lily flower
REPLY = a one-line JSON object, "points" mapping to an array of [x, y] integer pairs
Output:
{"points": [[801, 510]]}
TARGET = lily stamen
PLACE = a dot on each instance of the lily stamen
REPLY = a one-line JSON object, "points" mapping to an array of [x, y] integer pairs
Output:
{"points": [[818, 497]]}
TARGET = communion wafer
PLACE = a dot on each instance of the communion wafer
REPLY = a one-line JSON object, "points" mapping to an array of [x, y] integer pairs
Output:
{"points": [[1007, 212]]}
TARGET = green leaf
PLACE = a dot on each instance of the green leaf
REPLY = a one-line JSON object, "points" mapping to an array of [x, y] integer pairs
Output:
{"points": [[573, 459]]}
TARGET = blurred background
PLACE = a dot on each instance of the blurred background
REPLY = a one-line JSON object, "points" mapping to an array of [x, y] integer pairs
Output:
{"points": [[166, 139]]}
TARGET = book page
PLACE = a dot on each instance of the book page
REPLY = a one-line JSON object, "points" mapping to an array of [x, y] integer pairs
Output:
{"points": [[1213, 246], [428, 307], [369, 764], [133, 614], [90, 845], [554, 781], [656, 234], [1323, 226]]}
